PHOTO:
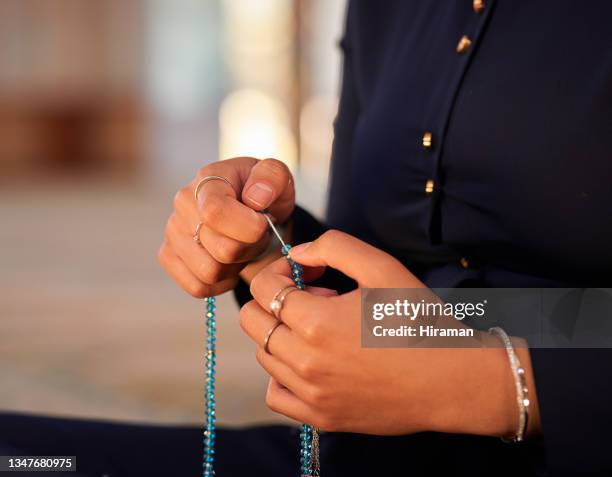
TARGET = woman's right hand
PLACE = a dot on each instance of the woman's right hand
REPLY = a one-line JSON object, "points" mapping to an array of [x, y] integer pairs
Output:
{"points": [[233, 233]]}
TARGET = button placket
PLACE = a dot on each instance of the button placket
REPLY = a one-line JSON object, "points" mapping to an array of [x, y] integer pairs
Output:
{"points": [[464, 48], [427, 140], [464, 44], [478, 5]]}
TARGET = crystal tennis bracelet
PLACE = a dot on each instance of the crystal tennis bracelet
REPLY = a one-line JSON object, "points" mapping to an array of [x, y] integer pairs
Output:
{"points": [[520, 382]]}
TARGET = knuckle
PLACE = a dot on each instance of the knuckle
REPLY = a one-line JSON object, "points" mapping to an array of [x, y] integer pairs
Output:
{"points": [[312, 331], [197, 289], [213, 210], [276, 168], [209, 272], [202, 172], [307, 368], [260, 355], [245, 312], [256, 283], [179, 198], [172, 222], [316, 396], [331, 236], [227, 252], [255, 232], [169, 226], [271, 400], [162, 254]]}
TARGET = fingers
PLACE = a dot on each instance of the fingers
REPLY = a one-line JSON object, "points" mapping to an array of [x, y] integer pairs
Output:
{"points": [[232, 233], [197, 259], [283, 343], [283, 401], [270, 185], [219, 209], [222, 247], [281, 267], [369, 266], [300, 308], [227, 251], [282, 373], [181, 274]]}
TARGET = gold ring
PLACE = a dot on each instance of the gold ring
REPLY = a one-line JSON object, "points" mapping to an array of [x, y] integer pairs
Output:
{"points": [[206, 179], [268, 334], [276, 305], [196, 234]]}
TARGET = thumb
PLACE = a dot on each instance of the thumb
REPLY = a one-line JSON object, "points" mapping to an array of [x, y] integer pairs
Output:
{"points": [[270, 186], [368, 265]]}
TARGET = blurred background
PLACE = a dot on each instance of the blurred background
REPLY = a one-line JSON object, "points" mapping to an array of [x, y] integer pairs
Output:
{"points": [[107, 107]]}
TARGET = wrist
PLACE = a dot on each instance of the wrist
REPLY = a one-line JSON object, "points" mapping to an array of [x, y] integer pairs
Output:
{"points": [[478, 394]]}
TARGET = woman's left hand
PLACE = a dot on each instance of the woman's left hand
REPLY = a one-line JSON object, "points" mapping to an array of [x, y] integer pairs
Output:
{"points": [[321, 375]]}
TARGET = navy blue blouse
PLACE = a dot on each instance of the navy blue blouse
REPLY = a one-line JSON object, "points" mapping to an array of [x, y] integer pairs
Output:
{"points": [[474, 143]]}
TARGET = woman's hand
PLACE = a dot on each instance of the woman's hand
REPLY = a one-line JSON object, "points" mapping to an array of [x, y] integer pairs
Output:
{"points": [[321, 375], [232, 232]]}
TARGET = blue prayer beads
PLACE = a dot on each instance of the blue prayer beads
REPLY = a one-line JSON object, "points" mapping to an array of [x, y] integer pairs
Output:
{"points": [[297, 272], [211, 418], [309, 465]]}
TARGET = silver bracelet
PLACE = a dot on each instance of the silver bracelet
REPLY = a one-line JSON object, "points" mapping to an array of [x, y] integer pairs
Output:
{"points": [[520, 382]]}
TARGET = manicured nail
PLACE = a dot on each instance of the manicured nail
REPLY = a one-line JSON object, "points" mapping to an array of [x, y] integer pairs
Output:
{"points": [[260, 194], [299, 249]]}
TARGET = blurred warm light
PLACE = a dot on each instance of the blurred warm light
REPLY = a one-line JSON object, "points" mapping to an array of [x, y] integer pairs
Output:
{"points": [[259, 41], [253, 123], [316, 137], [258, 27], [316, 126]]}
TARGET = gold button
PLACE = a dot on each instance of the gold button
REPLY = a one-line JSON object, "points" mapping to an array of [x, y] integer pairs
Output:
{"points": [[429, 186], [478, 5], [464, 44], [427, 140], [465, 263]]}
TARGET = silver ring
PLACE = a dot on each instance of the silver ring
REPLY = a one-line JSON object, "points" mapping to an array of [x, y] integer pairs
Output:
{"points": [[276, 305], [268, 334], [196, 234], [206, 179]]}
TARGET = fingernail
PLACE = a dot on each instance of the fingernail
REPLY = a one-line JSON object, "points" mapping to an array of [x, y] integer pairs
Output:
{"points": [[260, 194], [299, 248]]}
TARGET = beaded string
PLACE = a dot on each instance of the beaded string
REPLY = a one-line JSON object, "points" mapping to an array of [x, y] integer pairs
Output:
{"points": [[309, 436], [209, 391]]}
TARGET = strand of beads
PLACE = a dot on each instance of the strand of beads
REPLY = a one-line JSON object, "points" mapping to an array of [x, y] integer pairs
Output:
{"points": [[211, 419], [297, 272], [309, 452]]}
